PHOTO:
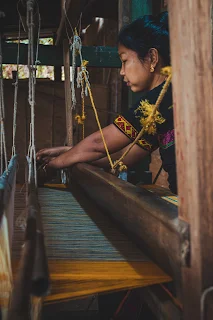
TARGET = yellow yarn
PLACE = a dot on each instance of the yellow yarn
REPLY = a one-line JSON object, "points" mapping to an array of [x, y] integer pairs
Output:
{"points": [[167, 71], [81, 118], [95, 111], [150, 125], [122, 167]]}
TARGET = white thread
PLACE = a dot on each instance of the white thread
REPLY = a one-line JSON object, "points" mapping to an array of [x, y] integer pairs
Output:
{"points": [[32, 66], [2, 115], [15, 105], [76, 48]]}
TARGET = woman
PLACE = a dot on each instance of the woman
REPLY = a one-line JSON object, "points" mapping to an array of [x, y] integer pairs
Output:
{"points": [[143, 48]]}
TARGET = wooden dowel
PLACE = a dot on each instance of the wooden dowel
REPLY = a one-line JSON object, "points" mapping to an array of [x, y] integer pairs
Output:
{"points": [[19, 308], [40, 274], [67, 87]]}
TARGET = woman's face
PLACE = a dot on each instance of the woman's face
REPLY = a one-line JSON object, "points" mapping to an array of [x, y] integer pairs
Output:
{"points": [[136, 73]]}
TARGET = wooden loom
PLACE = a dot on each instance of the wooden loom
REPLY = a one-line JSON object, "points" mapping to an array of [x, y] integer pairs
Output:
{"points": [[86, 253]]}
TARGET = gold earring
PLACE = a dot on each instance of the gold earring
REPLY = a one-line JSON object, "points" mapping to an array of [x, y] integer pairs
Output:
{"points": [[152, 69]]}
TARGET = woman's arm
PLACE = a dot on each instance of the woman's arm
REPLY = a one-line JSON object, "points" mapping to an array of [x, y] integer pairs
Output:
{"points": [[92, 148], [134, 155]]}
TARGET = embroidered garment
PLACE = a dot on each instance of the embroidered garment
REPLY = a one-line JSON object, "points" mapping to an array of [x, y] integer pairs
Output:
{"points": [[163, 137]]}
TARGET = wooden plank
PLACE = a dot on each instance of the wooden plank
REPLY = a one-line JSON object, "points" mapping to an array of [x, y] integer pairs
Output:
{"points": [[191, 47], [149, 220], [68, 98], [98, 56]]}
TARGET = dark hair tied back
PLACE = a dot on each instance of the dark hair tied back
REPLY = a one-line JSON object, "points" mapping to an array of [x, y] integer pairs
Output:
{"points": [[145, 33], [162, 20]]}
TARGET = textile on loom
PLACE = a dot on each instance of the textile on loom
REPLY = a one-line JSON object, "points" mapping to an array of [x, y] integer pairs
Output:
{"points": [[7, 192], [86, 253]]}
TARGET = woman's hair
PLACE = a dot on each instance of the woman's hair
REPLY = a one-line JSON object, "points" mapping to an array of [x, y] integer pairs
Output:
{"points": [[147, 32]]}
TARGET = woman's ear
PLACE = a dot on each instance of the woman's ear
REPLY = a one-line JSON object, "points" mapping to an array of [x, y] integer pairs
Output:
{"points": [[154, 57]]}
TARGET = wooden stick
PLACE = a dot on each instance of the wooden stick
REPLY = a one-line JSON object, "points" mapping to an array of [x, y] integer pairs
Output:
{"points": [[20, 301], [68, 98], [40, 274], [124, 13]]}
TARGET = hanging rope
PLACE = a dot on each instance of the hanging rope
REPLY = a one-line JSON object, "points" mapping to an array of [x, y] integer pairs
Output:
{"points": [[83, 74], [3, 150], [32, 66], [81, 83], [76, 48], [15, 104]]}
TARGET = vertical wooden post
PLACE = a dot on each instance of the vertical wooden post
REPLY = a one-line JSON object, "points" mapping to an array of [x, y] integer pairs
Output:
{"points": [[190, 35], [68, 100], [124, 13]]}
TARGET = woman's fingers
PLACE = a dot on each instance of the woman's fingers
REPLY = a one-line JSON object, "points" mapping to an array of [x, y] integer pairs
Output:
{"points": [[41, 154]]}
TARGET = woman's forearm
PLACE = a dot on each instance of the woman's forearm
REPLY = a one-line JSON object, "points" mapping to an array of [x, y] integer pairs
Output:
{"points": [[104, 162], [135, 154], [92, 148]]}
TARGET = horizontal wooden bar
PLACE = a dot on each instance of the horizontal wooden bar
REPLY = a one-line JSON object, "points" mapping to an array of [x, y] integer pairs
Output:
{"points": [[151, 221], [102, 57]]}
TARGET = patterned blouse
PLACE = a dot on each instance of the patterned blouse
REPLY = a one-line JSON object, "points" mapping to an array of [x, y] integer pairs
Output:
{"points": [[132, 121]]}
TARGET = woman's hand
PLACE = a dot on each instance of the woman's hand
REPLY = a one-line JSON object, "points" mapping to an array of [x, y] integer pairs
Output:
{"points": [[47, 154]]}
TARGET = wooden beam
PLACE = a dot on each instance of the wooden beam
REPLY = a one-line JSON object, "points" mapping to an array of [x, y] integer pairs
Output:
{"points": [[53, 56], [40, 275], [68, 98], [20, 300], [191, 47], [149, 220], [124, 13]]}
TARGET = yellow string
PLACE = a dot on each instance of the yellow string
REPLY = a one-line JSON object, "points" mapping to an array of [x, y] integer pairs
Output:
{"points": [[97, 120], [81, 118]]}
